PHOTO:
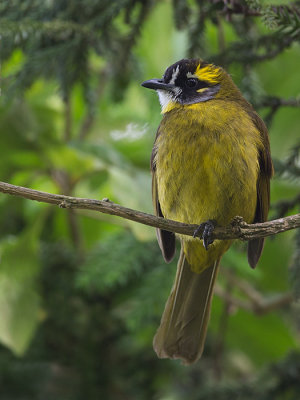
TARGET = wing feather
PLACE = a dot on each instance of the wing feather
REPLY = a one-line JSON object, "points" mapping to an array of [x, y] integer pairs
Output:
{"points": [[255, 246], [166, 239]]}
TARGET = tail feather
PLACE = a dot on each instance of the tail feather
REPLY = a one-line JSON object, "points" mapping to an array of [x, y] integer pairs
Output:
{"points": [[183, 326]]}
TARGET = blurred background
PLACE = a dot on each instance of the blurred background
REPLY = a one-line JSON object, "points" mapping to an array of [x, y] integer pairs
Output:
{"points": [[81, 293]]}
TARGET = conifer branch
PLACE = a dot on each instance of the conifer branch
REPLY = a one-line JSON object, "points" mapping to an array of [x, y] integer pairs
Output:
{"points": [[238, 229]]}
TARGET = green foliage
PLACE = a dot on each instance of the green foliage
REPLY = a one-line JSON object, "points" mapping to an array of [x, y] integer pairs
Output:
{"points": [[19, 300], [81, 293], [285, 18], [57, 40], [118, 272], [103, 271]]}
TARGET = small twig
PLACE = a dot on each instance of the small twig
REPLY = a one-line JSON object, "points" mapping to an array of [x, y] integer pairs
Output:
{"points": [[261, 307], [89, 118], [221, 335], [238, 229], [274, 101], [68, 119], [282, 207], [229, 298], [75, 232], [221, 36], [244, 287], [264, 48], [268, 305]]}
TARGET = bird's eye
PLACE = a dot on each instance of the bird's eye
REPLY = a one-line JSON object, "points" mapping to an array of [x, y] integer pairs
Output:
{"points": [[192, 82]]}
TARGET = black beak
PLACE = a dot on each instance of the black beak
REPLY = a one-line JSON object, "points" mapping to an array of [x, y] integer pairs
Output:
{"points": [[157, 84]]}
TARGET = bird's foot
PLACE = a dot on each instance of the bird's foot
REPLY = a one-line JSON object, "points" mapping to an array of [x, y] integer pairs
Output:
{"points": [[207, 229]]}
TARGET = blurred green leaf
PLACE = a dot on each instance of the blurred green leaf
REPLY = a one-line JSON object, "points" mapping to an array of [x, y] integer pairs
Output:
{"points": [[133, 188], [19, 298], [73, 161], [263, 338]]}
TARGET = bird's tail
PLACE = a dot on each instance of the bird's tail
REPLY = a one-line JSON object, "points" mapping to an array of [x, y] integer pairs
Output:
{"points": [[183, 325]]}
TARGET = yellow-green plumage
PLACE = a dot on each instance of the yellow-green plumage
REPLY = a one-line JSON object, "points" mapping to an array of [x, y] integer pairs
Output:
{"points": [[210, 162], [201, 166]]}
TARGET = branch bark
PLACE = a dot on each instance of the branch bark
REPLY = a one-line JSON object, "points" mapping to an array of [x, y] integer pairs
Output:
{"points": [[238, 229]]}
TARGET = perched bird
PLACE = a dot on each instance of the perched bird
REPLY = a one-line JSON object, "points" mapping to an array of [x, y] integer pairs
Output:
{"points": [[210, 162]]}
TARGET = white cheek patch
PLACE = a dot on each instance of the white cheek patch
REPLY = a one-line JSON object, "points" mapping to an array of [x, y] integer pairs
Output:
{"points": [[165, 98], [168, 97]]}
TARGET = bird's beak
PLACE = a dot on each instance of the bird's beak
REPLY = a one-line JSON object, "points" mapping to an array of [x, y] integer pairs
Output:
{"points": [[157, 84]]}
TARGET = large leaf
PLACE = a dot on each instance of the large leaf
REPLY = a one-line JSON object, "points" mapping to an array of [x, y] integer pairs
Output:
{"points": [[73, 161], [132, 188], [19, 298], [129, 185], [260, 338]]}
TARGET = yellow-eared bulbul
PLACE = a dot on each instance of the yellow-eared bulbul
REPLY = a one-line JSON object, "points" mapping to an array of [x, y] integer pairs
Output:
{"points": [[210, 162]]}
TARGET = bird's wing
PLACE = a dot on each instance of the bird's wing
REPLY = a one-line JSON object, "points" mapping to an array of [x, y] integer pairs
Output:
{"points": [[166, 240], [255, 246]]}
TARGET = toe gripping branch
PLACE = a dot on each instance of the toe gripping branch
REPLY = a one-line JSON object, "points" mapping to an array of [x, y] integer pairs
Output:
{"points": [[206, 229]]}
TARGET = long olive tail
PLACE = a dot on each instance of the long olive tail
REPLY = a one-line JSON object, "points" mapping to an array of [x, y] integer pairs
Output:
{"points": [[183, 325]]}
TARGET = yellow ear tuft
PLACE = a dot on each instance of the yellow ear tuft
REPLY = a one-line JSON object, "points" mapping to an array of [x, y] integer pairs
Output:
{"points": [[210, 73]]}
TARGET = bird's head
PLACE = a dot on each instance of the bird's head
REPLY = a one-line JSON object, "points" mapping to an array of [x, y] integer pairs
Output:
{"points": [[191, 81]]}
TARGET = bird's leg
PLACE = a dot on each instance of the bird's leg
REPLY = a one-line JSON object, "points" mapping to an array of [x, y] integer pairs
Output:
{"points": [[207, 229]]}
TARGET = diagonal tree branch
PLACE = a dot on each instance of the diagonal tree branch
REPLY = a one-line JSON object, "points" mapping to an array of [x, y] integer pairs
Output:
{"points": [[238, 229], [259, 307]]}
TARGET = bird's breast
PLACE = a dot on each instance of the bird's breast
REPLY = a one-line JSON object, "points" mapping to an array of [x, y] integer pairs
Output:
{"points": [[207, 163]]}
